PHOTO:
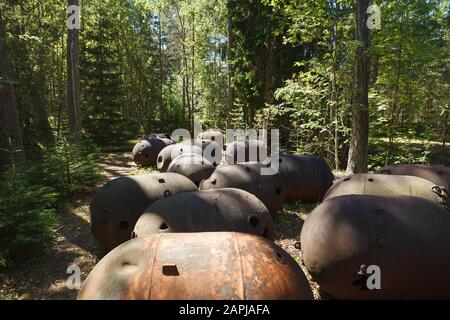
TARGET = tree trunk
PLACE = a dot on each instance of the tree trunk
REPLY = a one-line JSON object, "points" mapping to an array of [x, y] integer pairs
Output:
{"points": [[192, 114], [394, 113], [73, 81], [230, 91], [334, 92], [10, 133], [358, 153], [444, 138], [161, 70]]}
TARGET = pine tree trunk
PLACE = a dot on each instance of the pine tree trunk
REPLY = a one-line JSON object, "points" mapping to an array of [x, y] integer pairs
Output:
{"points": [[10, 133], [230, 91], [358, 153], [73, 81], [192, 114], [161, 70]]}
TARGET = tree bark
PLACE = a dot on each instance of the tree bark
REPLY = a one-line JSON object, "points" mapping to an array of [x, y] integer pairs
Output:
{"points": [[444, 158], [192, 113], [73, 81], [10, 132], [230, 91], [358, 153], [161, 69]]}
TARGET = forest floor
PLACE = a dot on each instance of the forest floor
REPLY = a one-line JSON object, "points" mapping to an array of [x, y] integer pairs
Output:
{"points": [[45, 276]]}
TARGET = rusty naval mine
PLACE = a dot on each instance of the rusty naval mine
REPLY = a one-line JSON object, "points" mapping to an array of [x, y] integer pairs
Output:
{"points": [[305, 178], [268, 188], [213, 135], [116, 207], [212, 210], [438, 174], [209, 149], [407, 238], [193, 166], [246, 151], [146, 151], [197, 266], [387, 185]]}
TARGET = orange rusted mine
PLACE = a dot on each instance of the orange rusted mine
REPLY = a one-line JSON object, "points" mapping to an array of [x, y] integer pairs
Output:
{"points": [[146, 151], [305, 178], [197, 266], [379, 247], [193, 166], [246, 151], [387, 185], [117, 206], [247, 176], [212, 210], [437, 174]]}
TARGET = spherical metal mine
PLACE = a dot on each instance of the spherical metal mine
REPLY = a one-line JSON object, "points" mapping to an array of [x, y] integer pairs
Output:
{"points": [[305, 178], [210, 150], [117, 206], [267, 188], [213, 135], [246, 151], [387, 185], [146, 152], [437, 174], [193, 166], [405, 238], [206, 211], [197, 266]]}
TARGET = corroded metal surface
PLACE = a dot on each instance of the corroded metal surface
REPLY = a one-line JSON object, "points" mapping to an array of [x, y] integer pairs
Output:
{"points": [[165, 158], [305, 178], [197, 266], [268, 188], [146, 151], [209, 149], [437, 174], [117, 206], [407, 237], [386, 185], [246, 151], [157, 136], [193, 166], [212, 210], [213, 135]]}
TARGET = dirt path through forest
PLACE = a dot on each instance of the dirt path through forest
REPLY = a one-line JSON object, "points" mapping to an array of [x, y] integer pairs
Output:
{"points": [[45, 276]]}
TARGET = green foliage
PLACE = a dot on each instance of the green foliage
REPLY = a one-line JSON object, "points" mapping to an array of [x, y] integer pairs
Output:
{"points": [[261, 58], [27, 215], [71, 169], [31, 193]]}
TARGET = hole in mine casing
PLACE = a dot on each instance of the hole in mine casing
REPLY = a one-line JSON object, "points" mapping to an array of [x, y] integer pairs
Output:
{"points": [[163, 226], [253, 220], [124, 225]]}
